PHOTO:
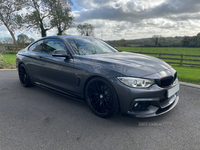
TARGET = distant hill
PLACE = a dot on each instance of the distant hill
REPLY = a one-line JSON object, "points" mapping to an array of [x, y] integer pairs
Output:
{"points": [[148, 42]]}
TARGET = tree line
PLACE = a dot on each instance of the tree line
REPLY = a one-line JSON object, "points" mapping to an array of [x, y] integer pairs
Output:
{"points": [[22, 39], [40, 16], [159, 41]]}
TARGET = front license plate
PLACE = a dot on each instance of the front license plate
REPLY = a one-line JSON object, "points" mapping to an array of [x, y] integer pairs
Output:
{"points": [[172, 91]]}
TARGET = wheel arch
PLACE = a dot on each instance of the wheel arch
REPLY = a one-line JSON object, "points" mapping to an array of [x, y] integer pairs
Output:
{"points": [[103, 77]]}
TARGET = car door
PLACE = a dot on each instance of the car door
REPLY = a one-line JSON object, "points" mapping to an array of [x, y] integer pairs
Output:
{"points": [[56, 71], [32, 59]]}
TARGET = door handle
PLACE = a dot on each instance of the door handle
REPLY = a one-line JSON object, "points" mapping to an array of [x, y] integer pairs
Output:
{"points": [[39, 57]]}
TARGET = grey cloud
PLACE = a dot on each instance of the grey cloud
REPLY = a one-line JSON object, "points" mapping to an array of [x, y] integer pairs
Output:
{"points": [[184, 16], [88, 3], [164, 10]]}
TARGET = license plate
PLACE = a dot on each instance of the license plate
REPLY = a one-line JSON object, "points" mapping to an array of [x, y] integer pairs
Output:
{"points": [[172, 91]]}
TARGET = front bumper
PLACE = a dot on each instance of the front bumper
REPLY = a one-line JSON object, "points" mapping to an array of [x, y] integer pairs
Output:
{"points": [[153, 110], [154, 100]]}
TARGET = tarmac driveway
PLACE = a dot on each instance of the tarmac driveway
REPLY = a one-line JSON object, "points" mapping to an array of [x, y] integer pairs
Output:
{"points": [[34, 118]]}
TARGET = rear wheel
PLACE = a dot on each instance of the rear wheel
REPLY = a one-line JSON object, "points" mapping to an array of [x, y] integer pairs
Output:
{"points": [[101, 97], [24, 76]]}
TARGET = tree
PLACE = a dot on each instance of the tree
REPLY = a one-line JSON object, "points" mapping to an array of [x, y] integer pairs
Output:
{"points": [[86, 29], [37, 17], [8, 16], [60, 11], [31, 40], [6, 40], [198, 39], [122, 43], [157, 39], [22, 38], [193, 41], [186, 41], [44, 15]]}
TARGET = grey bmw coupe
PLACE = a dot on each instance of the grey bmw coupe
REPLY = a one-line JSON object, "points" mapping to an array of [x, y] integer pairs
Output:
{"points": [[110, 81]]}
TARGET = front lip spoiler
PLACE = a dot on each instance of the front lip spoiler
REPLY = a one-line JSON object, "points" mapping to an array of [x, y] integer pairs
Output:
{"points": [[153, 110]]}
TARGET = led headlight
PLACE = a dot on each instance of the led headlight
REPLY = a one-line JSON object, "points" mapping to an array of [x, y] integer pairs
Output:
{"points": [[136, 82]]}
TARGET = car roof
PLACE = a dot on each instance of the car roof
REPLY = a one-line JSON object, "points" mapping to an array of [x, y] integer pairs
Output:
{"points": [[67, 36]]}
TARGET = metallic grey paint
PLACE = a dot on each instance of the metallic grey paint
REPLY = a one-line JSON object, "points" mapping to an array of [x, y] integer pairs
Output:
{"points": [[71, 75]]}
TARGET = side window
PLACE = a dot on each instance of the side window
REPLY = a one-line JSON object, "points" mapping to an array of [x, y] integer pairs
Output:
{"points": [[52, 44], [37, 47]]}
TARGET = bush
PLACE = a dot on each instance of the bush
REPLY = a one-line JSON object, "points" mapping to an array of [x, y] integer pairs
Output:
{"points": [[1, 61]]}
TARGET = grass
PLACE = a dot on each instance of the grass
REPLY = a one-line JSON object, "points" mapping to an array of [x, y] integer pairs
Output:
{"points": [[9, 61], [188, 74], [166, 50], [185, 74]]}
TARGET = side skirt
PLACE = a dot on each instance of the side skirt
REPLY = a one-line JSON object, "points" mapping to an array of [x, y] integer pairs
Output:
{"points": [[55, 90]]}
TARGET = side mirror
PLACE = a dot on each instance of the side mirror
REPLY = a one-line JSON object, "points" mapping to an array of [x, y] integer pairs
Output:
{"points": [[60, 53]]}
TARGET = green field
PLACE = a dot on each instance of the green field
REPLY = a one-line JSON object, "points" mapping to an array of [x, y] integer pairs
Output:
{"points": [[9, 61], [169, 50], [188, 74], [185, 74], [166, 50]]}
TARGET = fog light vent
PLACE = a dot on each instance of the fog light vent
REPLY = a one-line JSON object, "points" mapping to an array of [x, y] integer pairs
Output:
{"points": [[138, 106]]}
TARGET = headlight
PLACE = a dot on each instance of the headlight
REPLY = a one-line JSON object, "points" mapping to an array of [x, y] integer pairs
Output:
{"points": [[136, 82]]}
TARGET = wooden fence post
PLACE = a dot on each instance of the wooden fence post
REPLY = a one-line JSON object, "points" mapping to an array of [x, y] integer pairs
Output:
{"points": [[181, 59], [159, 55]]}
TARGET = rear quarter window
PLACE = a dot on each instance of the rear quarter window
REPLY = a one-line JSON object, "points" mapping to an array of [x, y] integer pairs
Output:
{"points": [[36, 47]]}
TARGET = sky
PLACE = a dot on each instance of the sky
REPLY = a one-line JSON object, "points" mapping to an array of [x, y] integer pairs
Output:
{"points": [[133, 19]]}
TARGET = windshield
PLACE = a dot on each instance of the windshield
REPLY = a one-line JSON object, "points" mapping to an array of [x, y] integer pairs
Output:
{"points": [[88, 46]]}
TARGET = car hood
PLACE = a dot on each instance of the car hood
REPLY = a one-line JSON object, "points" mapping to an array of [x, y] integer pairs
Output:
{"points": [[130, 64]]}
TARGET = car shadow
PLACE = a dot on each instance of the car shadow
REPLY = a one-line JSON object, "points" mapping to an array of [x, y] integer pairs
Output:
{"points": [[81, 111]]}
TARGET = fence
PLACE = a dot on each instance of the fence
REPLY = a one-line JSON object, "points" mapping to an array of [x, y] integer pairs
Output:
{"points": [[178, 59]]}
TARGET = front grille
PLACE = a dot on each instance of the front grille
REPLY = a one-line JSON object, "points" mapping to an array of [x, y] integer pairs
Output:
{"points": [[166, 81], [175, 76]]}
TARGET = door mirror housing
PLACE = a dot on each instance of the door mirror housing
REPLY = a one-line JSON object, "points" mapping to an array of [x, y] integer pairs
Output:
{"points": [[60, 53]]}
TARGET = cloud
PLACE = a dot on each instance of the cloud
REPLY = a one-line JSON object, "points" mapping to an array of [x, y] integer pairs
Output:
{"points": [[132, 19], [133, 11], [140, 18]]}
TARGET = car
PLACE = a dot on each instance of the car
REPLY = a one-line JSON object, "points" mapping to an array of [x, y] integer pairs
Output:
{"points": [[109, 80]]}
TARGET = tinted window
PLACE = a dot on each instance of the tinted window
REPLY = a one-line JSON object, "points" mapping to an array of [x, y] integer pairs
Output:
{"points": [[37, 47], [87, 46], [52, 44]]}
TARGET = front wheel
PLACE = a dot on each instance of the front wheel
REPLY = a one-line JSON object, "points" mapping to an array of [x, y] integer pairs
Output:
{"points": [[101, 97], [24, 76]]}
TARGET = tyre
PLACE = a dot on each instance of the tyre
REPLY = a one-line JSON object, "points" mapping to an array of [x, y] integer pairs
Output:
{"points": [[101, 97], [24, 76]]}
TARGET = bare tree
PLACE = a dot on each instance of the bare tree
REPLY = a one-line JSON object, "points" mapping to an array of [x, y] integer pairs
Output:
{"points": [[8, 10], [86, 29], [6, 40]]}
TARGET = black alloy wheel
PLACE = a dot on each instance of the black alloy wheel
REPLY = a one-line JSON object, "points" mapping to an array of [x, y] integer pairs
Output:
{"points": [[101, 97], [24, 76]]}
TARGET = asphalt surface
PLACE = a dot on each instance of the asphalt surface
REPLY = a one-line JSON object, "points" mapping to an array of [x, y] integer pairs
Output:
{"points": [[34, 118]]}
